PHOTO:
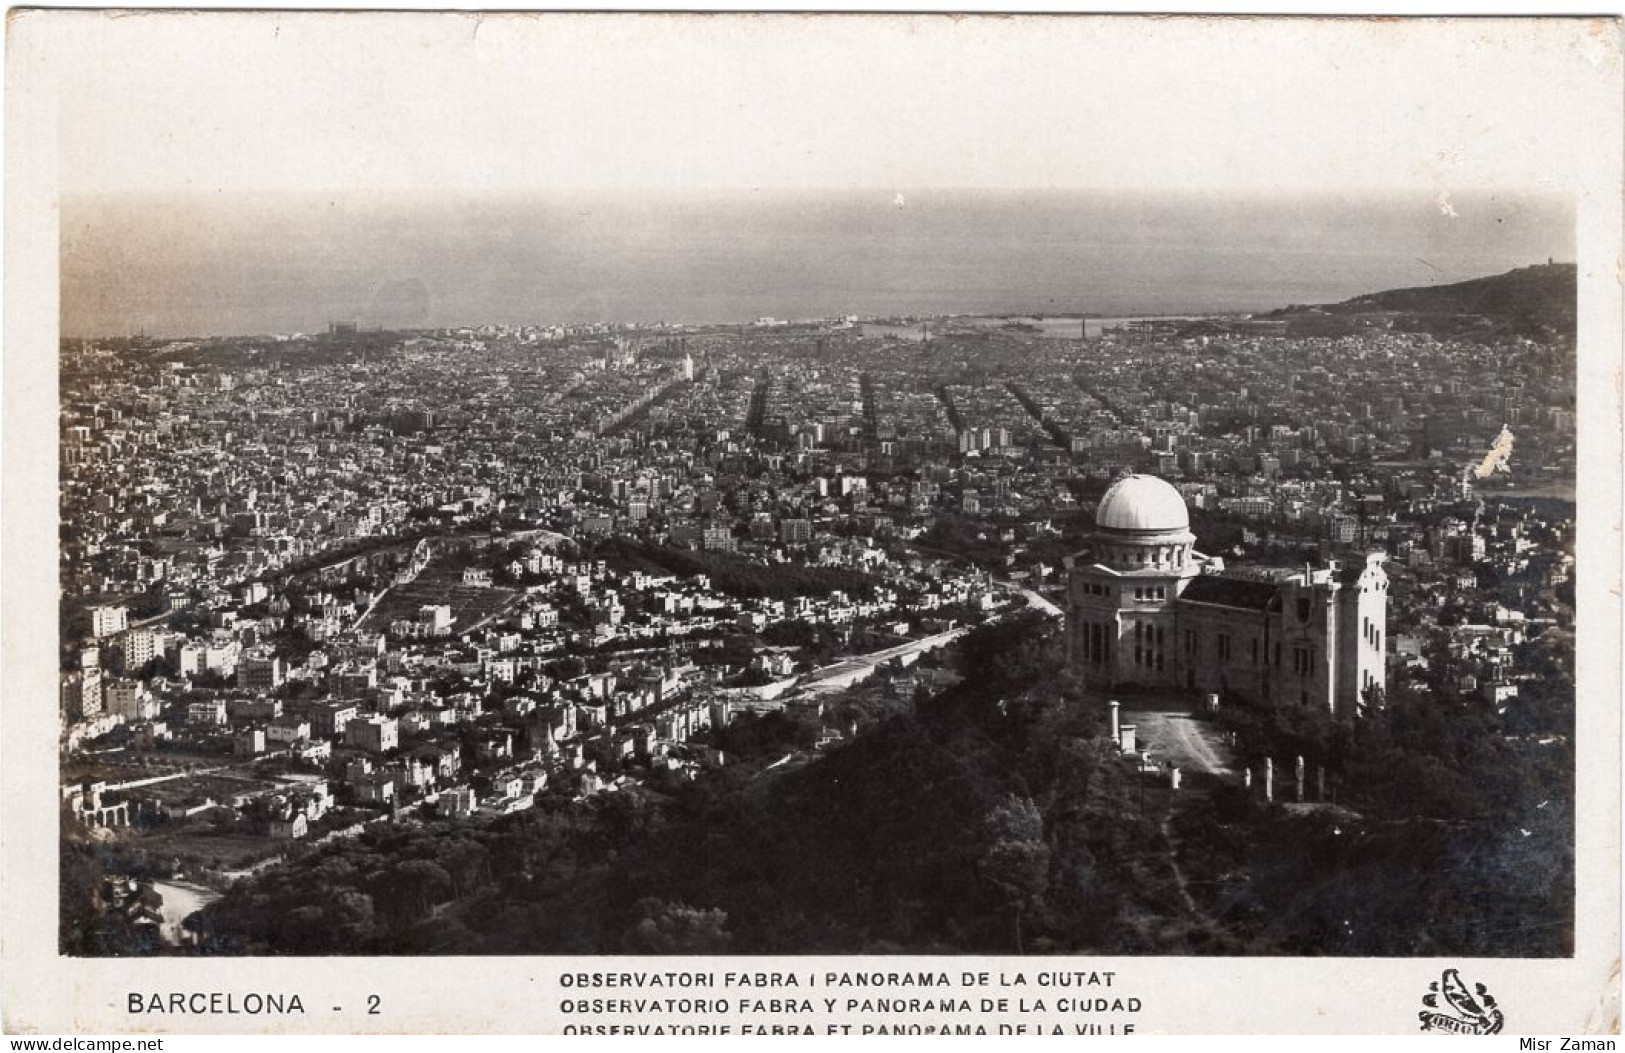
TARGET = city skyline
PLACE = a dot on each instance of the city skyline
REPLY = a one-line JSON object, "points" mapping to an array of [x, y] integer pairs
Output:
{"points": [[477, 596]]}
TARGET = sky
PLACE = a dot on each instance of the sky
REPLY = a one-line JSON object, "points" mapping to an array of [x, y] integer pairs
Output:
{"points": [[243, 263], [205, 161]]}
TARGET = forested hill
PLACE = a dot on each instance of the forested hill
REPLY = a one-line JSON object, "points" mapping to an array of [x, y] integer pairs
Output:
{"points": [[1538, 301], [1543, 293]]}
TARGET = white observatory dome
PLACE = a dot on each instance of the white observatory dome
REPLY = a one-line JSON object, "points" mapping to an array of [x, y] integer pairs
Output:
{"points": [[1142, 504]]}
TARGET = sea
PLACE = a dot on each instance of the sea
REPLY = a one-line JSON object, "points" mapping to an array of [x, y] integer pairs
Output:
{"points": [[207, 264], [1065, 327]]}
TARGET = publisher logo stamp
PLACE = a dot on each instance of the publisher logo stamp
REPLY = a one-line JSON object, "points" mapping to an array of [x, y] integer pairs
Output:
{"points": [[1475, 1011]]}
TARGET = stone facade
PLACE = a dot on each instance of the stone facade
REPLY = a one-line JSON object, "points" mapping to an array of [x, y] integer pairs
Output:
{"points": [[1145, 610]]}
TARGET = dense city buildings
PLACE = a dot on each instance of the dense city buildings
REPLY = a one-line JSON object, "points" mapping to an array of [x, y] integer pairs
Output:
{"points": [[320, 584]]}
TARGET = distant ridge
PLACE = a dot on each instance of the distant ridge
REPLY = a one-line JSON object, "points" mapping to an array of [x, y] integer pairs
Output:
{"points": [[1537, 301], [1546, 290]]}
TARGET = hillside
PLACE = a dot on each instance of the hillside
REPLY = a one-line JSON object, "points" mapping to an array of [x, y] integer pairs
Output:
{"points": [[1538, 301], [992, 817]]}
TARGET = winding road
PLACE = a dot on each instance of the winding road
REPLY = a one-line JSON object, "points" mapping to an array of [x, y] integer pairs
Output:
{"points": [[849, 671]]}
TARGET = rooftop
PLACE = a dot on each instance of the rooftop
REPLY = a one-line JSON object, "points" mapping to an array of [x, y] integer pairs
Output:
{"points": [[1142, 503]]}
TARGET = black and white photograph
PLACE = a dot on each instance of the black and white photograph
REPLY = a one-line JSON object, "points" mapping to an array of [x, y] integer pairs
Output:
{"points": [[854, 489]]}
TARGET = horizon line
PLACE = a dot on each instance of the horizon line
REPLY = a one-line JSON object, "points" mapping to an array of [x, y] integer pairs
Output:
{"points": [[1085, 316]]}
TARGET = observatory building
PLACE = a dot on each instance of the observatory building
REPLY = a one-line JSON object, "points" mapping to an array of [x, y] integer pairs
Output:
{"points": [[1146, 610]]}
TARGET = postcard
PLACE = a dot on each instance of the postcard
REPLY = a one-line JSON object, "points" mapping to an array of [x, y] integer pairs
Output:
{"points": [[914, 524]]}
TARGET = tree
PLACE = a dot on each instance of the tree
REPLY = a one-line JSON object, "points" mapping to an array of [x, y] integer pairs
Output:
{"points": [[676, 928], [1015, 860], [293, 645], [351, 915], [81, 878], [466, 863], [419, 884], [1009, 654]]}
